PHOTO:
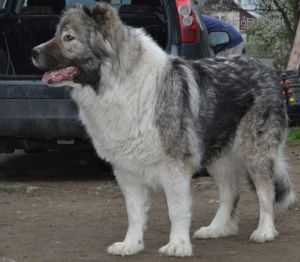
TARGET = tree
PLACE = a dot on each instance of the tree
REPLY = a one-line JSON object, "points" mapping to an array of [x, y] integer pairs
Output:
{"points": [[274, 32], [289, 12], [294, 59]]}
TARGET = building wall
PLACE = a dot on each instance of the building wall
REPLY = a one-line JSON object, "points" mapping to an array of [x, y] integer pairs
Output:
{"points": [[232, 17], [240, 19], [232, 11]]}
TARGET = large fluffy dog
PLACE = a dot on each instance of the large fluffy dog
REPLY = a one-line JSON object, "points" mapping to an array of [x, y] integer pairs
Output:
{"points": [[159, 118]]}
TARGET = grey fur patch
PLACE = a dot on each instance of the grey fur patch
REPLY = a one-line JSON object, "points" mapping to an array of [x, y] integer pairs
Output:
{"points": [[235, 206], [173, 112], [228, 89], [280, 191]]}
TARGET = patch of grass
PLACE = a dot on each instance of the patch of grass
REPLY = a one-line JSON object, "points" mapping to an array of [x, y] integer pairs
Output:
{"points": [[294, 134], [11, 188], [8, 187]]}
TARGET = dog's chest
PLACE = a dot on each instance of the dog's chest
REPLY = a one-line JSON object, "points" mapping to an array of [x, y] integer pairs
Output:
{"points": [[121, 127]]}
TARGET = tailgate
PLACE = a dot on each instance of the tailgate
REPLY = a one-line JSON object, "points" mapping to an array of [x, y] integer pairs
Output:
{"points": [[29, 109], [33, 89]]}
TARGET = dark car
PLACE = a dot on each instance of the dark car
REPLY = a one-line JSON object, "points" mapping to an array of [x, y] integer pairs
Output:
{"points": [[35, 117], [291, 84]]}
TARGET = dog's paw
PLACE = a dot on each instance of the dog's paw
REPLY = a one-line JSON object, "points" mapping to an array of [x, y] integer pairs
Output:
{"points": [[178, 249], [262, 235], [216, 232], [125, 249]]}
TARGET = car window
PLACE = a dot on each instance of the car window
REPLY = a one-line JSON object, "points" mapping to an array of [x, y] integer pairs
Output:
{"points": [[38, 7], [218, 38]]}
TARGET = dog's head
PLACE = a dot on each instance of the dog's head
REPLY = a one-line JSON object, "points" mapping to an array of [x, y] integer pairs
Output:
{"points": [[82, 42]]}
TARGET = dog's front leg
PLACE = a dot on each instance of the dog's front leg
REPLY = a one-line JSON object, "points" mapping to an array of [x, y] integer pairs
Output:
{"points": [[176, 185], [136, 196]]}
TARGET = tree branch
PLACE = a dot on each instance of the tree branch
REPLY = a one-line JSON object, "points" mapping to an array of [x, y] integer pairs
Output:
{"points": [[288, 24], [296, 9]]}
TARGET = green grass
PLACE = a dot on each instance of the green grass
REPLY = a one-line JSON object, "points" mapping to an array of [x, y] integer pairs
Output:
{"points": [[294, 134]]}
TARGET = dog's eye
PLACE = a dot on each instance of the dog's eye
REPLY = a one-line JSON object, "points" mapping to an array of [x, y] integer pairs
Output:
{"points": [[68, 38]]}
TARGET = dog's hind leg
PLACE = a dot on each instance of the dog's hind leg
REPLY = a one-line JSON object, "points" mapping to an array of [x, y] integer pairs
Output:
{"points": [[175, 181], [268, 173], [260, 173], [136, 195], [226, 172], [262, 138]]}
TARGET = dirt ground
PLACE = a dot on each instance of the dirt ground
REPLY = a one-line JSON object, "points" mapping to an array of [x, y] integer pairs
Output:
{"points": [[59, 208]]}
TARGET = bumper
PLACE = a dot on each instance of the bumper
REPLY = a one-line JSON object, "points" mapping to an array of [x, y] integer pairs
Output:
{"points": [[30, 110]]}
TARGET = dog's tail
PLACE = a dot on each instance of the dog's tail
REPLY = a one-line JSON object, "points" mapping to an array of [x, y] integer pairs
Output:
{"points": [[284, 193]]}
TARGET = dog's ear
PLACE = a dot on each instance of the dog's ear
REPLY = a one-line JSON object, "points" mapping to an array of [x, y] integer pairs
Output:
{"points": [[106, 18], [100, 46], [87, 10]]}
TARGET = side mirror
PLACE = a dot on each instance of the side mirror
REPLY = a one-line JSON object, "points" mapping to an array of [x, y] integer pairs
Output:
{"points": [[218, 38]]}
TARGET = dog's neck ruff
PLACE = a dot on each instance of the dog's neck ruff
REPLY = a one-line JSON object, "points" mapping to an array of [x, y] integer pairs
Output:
{"points": [[138, 53], [119, 115]]}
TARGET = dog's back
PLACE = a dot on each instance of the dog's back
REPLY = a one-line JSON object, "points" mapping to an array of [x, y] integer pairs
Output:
{"points": [[232, 89]]}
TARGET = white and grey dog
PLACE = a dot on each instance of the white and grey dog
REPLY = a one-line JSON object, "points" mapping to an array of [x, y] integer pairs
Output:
{"points": [[157, 119]]}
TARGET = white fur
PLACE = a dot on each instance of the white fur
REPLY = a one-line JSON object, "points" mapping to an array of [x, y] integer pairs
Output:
{"points": [[266, 230], [226, 173], [136, 195], [120, 122], [175, 180]]}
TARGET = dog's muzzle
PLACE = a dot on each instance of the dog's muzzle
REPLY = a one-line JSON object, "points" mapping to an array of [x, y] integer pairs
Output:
{"points": [[35, 53]]}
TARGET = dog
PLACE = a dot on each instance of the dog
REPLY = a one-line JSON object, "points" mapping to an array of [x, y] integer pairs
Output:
{"points": [[158, 118]]}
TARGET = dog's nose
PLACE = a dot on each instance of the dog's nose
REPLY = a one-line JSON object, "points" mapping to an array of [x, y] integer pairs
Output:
{"points": [[35, 53]]}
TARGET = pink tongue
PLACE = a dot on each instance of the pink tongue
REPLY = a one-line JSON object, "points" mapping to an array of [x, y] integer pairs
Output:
{"points": [[60, 75]]}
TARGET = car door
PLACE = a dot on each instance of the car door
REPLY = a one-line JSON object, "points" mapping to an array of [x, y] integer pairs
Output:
{"points": [[4, 59]]}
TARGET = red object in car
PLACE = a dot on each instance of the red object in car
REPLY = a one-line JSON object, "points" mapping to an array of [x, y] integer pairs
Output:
{"points": [[189, 27]]}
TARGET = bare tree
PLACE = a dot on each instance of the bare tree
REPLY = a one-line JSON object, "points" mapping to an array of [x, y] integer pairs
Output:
{"points": [[289, 10], [295, 54], [273, 34]]}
